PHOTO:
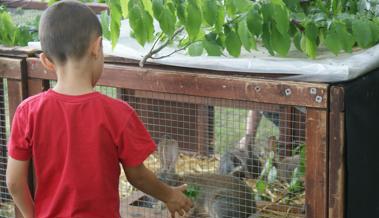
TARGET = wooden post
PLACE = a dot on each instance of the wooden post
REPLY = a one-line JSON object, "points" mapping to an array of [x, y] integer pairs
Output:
{"points": [[336, 153], [316, 178]]}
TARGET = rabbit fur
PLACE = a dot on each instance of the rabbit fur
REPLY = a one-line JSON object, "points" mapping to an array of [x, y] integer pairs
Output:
{"points": [[219, 196]]}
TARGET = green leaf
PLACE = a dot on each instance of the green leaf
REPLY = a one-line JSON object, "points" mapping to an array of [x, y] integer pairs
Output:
{"points": [[254, 21], [212, 48], [293, 5], [281, 18], [375, 31], [297, 40], [104, 19], [261, 186], [116, 15], [245, 36], [346, 39], [280, 43], [193, 19], [220, 19], [242, 5], [167, 21], [233, 44], [230, 7], [310, 40], [148, 6], [362, 33], [141, 22], [192, 191], [157, 8], [196, 49], [7, 28], [124, 8], [210, 11], [267, 12], [338, 38], [311, 31], [180, 10], [266, 37]]}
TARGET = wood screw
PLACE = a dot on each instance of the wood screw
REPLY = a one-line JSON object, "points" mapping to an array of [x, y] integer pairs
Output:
{"points": [[318, 99], [257, 89], [313, 91], [288, 92]]}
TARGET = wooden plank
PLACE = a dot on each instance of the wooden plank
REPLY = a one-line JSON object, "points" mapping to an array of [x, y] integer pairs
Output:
{"points": [[316, 178], [16, 51], [38, 5], [10, 68], [36, 86], [336, 153], [248, 105], [207, 85]]}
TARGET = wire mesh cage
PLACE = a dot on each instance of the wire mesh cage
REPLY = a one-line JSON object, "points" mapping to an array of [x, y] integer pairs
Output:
{"points": [[239, 158], [6, 205]]}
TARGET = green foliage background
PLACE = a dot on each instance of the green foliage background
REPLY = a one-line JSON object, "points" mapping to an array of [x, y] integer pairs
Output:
{"points": [[219, 26]]}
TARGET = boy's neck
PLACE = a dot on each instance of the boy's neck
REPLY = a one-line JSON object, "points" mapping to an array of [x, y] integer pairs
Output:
{"points": [[73, 79]]}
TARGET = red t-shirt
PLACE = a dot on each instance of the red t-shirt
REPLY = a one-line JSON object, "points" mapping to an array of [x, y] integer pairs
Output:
{"points": [[77, 144]]}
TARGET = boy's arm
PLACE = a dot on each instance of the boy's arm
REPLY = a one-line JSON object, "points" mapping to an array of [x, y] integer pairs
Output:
{"points": [[145, 180], [17, 182]]}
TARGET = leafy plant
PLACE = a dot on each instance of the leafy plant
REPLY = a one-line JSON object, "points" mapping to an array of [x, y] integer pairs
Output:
{"points": [[267, 176], [12, 34], [220, 26], [192, 191], [296, 185]]}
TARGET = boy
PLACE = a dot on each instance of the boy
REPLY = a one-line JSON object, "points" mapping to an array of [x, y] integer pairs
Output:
{"points": [[77, 137]]}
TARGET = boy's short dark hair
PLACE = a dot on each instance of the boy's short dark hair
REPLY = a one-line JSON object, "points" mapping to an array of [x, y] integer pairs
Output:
{"points": [[66, 29]]}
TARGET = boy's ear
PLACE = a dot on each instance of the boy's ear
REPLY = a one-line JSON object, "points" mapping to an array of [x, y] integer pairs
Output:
{"points": [[97, 47], [46, 62]]}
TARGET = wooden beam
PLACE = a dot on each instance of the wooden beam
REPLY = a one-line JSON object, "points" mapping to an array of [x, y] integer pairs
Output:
{"points": [[316, 179], [336, 153], [10, 68], [206, 85], [16, 51]]}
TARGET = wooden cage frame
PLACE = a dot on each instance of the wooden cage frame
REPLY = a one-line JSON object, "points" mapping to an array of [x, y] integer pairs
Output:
{"points": [[324, 103]]}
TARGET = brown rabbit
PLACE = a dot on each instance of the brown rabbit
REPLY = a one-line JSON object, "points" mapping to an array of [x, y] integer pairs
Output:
{"points": [[218, 196]]}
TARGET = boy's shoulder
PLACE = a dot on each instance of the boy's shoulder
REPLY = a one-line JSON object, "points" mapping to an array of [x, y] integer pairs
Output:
{"points": [[106, 101], [115, 103], [30, 101]]}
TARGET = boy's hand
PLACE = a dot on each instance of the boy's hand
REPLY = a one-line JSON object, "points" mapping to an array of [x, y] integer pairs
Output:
{"points": [[178, 201]]}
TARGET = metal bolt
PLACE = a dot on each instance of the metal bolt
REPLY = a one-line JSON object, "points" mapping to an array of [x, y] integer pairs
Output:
{"points": [[318, 99], [313, 91], [288, 92], [257, 88]]}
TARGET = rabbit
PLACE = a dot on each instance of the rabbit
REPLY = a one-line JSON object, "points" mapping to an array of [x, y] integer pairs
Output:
{"points": [[219, 196], [285, 165], [240, 163]]}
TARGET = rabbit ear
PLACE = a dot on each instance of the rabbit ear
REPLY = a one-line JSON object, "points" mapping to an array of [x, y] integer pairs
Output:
{"points": [[168, 150]]}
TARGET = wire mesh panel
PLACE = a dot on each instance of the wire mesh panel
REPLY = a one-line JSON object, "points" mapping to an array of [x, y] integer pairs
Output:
{"points": [[239, 159], [6, 205]]}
